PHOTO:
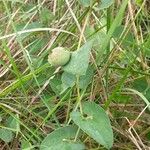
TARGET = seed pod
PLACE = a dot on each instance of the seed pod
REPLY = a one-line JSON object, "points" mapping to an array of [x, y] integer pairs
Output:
{"points": [[59, 57]]}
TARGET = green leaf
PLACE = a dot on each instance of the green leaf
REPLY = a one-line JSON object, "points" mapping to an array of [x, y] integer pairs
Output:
{"points": [[79, 60], [147, 47], [55, 84], [22, 26], [25, 145], [96, 123], [128, 39], [140, 84], [62, 139], [120, 98], [69, 80], [85, 3], [16, 1], [147, 94], [101, 3], [85, 80], [13, 123], [117, 22], [139, 2], [148, 136], [104, 4], [6, 135], [37, 45], [46, 16], [97, 36]]}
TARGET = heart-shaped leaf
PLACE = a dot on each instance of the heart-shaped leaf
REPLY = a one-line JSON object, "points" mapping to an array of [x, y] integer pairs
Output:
{"points": [[13, 123], [69, 80], [95, 123], [62, 139], [79, 60], [104, 4], [6, 135]]}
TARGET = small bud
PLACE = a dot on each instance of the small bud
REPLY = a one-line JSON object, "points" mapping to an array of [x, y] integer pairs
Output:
{"points": [[59, 57]]}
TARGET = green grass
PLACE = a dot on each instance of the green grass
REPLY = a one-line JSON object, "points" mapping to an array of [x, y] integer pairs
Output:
{"points": [[37, 99]]}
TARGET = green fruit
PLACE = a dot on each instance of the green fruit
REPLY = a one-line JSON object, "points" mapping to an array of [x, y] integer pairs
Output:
{"points": [[59, 57]]}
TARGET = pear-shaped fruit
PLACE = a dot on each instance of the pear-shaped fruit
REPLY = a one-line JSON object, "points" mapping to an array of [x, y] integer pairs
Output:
{"points": [[59, 57]]}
